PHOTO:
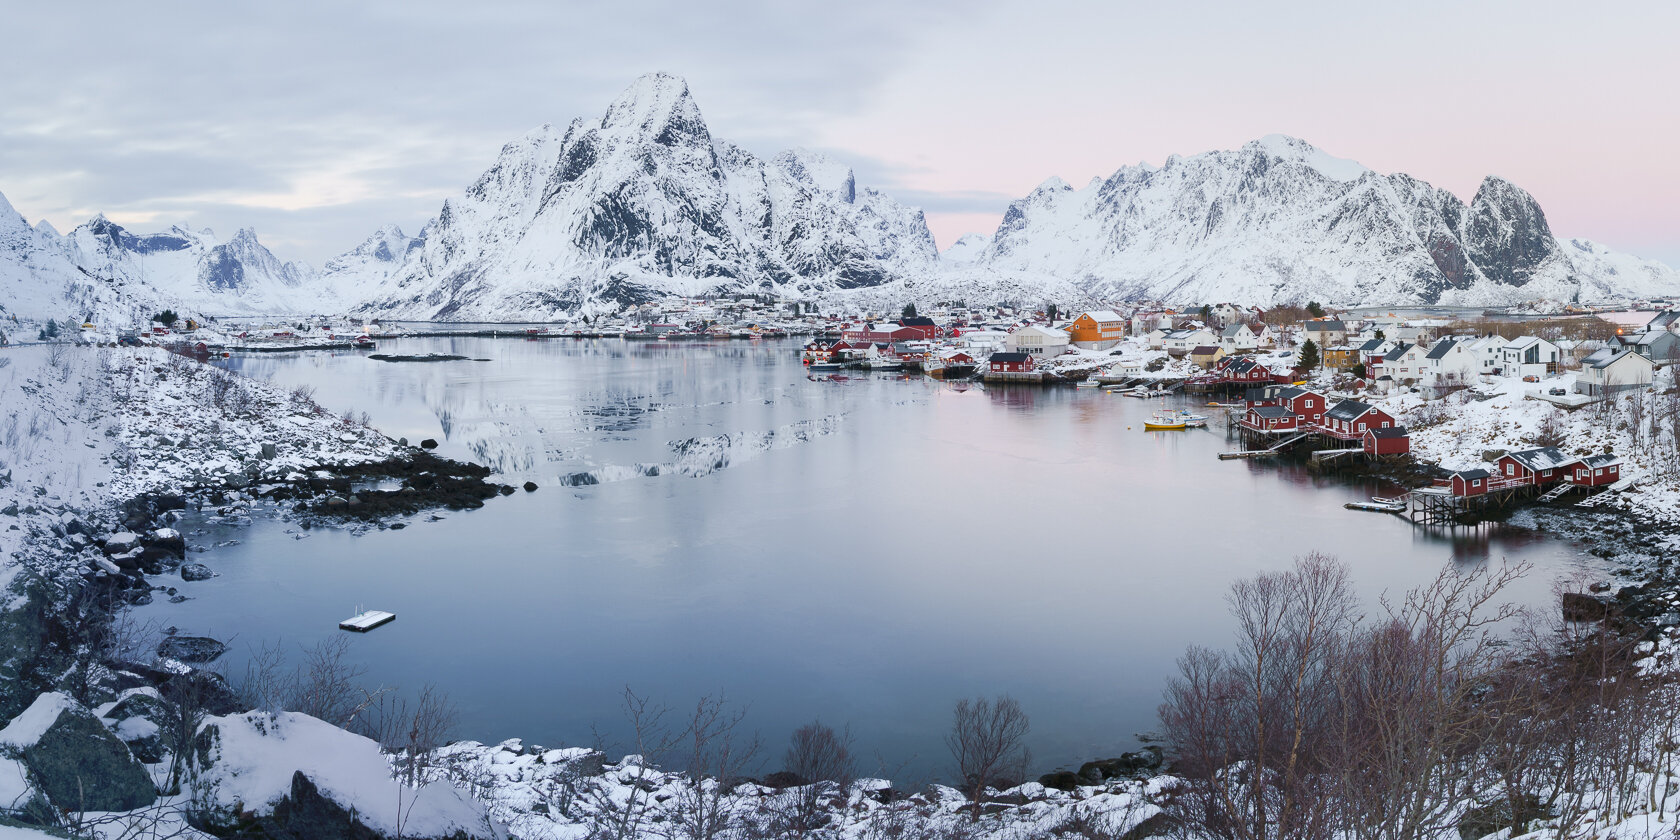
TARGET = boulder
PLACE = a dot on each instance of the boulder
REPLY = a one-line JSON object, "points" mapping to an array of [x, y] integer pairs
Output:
{"points": [[530, 487], [194, 649], [77, 762], [1579, 606], [136, 718], [1064, 780], [429, 443], [121, 542], [196, 571], [269, 452], [169, 539], [288, 775]]}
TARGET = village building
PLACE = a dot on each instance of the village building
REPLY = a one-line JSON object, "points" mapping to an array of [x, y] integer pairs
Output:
{"points": [[1470, 482], [1486, 350], [1610, 371], [1206, 356], [1449, 363], [1667, 320], [1010, 363], [1271, 419], [1406, 363], [1393, 440], [928, 329], [1656, 345], [1044, 342], [1345, 357], [1349, 419], [1540, 466], [1529, 356], [1178, 343], [1595, 471], [869, 333], [1326, 332], [1097, 330]]}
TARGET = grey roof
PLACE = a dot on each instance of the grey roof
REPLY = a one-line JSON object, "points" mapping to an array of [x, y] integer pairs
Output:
{"points": [[1604, 358], [1601, 460], [1390, 432], [1347, 410], [1664, 319], [1398, 350], [1272, 411], [1441, 348], [1472, 474], [1326, 326], [1372, 346], [1233, 331]]}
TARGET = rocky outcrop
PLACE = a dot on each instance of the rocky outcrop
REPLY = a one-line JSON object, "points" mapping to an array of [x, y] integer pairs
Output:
{"points": [[74, 760]]}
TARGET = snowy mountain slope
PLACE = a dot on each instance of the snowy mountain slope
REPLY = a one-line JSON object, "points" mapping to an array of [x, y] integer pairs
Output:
{"points": [[104, 272], [1280, 220], [641, 203], [40, 279], [966, 249]]}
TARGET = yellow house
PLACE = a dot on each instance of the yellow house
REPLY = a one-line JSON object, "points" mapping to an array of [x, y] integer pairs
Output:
{"points": [[1206, 356], [1340, 358], [1098, 330]]}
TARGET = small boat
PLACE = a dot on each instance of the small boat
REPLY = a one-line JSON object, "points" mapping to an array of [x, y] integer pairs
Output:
{"points": [[363, 342], [1086, 383], [819, 366], [884, 364], [1194, 421], [1164, 421]]}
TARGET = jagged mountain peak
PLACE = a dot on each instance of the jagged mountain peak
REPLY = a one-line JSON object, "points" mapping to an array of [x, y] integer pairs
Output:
{"points": [[657, 106], [1295, 150], [820, 171]]}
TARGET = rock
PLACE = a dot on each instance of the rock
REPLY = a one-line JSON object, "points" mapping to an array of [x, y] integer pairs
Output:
{"points": [[1064, 780], [193, 649], [269, 452], [429, 443], [1488, 819], [1579, 606], [530, 487], [169, 501], [121, 542], [64, 746], [402, 441], [505, 490], [288, 775], [135, 719], [196, 571], [1491, 455], [170, 539]]}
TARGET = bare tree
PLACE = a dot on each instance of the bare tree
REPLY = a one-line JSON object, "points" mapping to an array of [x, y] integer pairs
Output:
{"points": [[708, 806], [611, 819], [988, 742]]}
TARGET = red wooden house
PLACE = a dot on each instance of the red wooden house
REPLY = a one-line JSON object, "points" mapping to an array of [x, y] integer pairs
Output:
{"points": [[925, 326], [1390, 441], [1469, 482], [1542, 466], [1307, 405], [1595, 471], [1349, 419], [1010, 362], [1271, 418]]}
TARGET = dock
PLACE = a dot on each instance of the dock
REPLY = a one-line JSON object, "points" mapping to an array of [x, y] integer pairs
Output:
{"points": [[1262, 453], [365, 621]]}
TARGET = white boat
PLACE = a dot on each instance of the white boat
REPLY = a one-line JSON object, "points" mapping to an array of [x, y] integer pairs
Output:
{"points": [[1086, 383], [884, 364]]}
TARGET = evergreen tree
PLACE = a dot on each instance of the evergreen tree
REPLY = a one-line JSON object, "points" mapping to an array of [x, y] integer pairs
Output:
{"points": [[1314, 309], [909, 310], [1359, 371], [1309, 356], [168, 317], [1051, 312], [1380, 335]]}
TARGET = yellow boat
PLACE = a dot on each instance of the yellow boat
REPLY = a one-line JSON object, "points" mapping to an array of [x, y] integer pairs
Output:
{"points": [[1164, 421]]}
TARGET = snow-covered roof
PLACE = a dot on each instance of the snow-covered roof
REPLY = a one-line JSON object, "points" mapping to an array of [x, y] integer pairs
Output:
{"points": [[1348, 410], [1542, 458], [1102, 315], [1601, 460], [1272, 411], [1390, 432]]}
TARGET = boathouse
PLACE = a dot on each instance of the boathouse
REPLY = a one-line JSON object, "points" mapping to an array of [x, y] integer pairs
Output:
{"points": [[1271, 418], [1541, 466], [1595, 471], [1350, 418], [1010, 363], [928, 330], [1469, 482], [1307, 405], [1390, 441]]}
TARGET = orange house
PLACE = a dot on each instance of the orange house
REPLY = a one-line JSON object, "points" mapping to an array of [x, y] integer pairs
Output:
{"points": [[1097, 330]]}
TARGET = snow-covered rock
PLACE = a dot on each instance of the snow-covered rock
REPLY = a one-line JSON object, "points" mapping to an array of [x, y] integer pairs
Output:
{"points": [[1279, 220], [286, 770], [77, 762], [638, 204]]}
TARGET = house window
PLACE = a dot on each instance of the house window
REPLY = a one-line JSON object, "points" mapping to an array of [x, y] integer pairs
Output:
{"points": [[1510, 469]]}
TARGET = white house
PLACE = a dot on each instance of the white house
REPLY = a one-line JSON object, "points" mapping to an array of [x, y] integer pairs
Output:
{"points": [[984, 342], [1037, 341], [1450, 363], [1180, 342], [1238, 338], [1610, 370], [1486, 350], [1529, 356], [1326, 332], [1668, 319], [1407, 363]]}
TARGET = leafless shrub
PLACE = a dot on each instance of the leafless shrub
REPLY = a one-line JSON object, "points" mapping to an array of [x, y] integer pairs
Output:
{"points": [[327, 686], [717, 755], [988, 742], [611, 819], [1553, 431], [411, 730]]}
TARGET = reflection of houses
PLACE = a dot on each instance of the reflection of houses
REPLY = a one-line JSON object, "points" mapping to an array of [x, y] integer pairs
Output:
{"points": [[1609, 370]]}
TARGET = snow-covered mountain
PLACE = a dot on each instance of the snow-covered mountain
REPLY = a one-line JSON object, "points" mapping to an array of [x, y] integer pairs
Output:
{"points": [[102, 271], [1280, 220], [965, 250], [637, 204]]}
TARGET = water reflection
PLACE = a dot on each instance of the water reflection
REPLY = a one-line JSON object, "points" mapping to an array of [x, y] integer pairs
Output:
{"points": [[859, 547]]}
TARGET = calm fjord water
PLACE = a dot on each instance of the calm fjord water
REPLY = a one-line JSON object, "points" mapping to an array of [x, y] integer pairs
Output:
{"points": [[861, 549]]}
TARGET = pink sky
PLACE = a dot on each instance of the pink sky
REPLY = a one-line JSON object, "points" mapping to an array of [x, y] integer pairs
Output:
{"points": [[1576, 106]]}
